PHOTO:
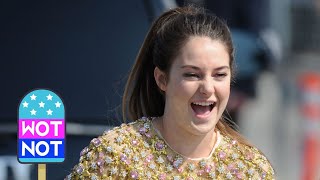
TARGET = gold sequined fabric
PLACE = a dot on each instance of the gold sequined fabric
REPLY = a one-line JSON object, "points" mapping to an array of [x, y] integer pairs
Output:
{"points": [[136, 151]]}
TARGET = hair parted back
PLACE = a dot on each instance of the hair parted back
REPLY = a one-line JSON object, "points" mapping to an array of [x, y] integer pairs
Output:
{"points": [[162, 44]]}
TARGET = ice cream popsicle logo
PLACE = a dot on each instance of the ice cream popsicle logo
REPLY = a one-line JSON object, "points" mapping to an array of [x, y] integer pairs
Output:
{"points": [[41, 123]]}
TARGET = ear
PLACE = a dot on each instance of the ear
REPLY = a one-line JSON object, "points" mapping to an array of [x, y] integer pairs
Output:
{"points": [[160, 78]]}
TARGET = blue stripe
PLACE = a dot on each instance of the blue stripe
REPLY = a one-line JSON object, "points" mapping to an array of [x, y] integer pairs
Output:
{"points": [[40, 160]]}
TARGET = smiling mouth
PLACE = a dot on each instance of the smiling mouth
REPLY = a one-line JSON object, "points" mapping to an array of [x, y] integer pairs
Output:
{"points": [[202, 108]]}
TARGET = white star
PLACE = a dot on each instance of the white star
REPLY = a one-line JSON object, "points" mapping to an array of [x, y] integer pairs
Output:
{"points": [[33, 97], [49, 97], [25, 104], [33, 112], [49, 112], [41, 104], [58, 104]]}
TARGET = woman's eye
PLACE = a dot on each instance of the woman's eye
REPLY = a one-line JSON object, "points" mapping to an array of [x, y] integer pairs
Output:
{"points": [[193, 75], [221, 75]]}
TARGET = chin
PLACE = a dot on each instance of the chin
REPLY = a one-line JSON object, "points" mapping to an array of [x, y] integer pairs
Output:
{"points": [[201, 127]]}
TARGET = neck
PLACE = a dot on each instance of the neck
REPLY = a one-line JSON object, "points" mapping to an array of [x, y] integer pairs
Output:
{"points": [[185, 143]]}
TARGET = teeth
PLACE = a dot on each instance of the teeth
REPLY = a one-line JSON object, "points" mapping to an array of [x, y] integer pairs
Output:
{"points": [[203, 103]]}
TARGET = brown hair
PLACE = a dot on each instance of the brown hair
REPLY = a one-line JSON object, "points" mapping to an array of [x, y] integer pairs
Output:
{"points": [[161, 45]]}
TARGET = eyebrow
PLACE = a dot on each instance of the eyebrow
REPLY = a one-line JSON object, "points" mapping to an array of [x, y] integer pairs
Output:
{"points": [[197, 68]]}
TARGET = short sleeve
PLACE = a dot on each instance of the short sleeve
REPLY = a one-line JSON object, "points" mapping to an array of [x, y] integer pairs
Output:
{"points": [[98, 161], [263, 164]]}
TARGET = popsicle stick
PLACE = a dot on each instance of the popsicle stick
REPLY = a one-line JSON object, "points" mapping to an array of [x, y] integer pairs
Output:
{"points": [[41, 171]]}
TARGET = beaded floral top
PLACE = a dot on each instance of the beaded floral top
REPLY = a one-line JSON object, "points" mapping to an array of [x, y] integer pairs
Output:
{"points": [[137, 151]]}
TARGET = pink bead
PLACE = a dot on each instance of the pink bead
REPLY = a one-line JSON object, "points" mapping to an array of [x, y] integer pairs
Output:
{"points": [[170, 158], [96, 141], [134, 142], [148, 135], [239, 176], [249, 155], [162, 176], [200, 172], [159, 146], [222, 155], [123, 157], [134, 174], [207, 169], [149, 158], [101, 154], [232, 168], [84, 151], [142, 130], [100, 162]]}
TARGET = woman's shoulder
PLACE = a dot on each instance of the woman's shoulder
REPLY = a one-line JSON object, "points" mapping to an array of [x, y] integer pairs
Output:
{"points": [[106, 153], [248, 159], [117, 138], [125, 133]]}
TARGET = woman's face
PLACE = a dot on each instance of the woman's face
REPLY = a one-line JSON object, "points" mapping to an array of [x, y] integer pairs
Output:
{"points": [[198, 87]]}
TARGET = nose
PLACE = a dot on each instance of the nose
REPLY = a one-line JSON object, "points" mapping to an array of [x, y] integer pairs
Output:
{"points": [[207, 87]]}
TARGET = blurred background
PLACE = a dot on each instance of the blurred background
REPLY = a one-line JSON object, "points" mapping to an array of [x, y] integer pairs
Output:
{"points": [[83, 51]]}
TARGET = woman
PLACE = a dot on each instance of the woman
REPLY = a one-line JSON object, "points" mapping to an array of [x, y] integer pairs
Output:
{"points": [[177, 90]]}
